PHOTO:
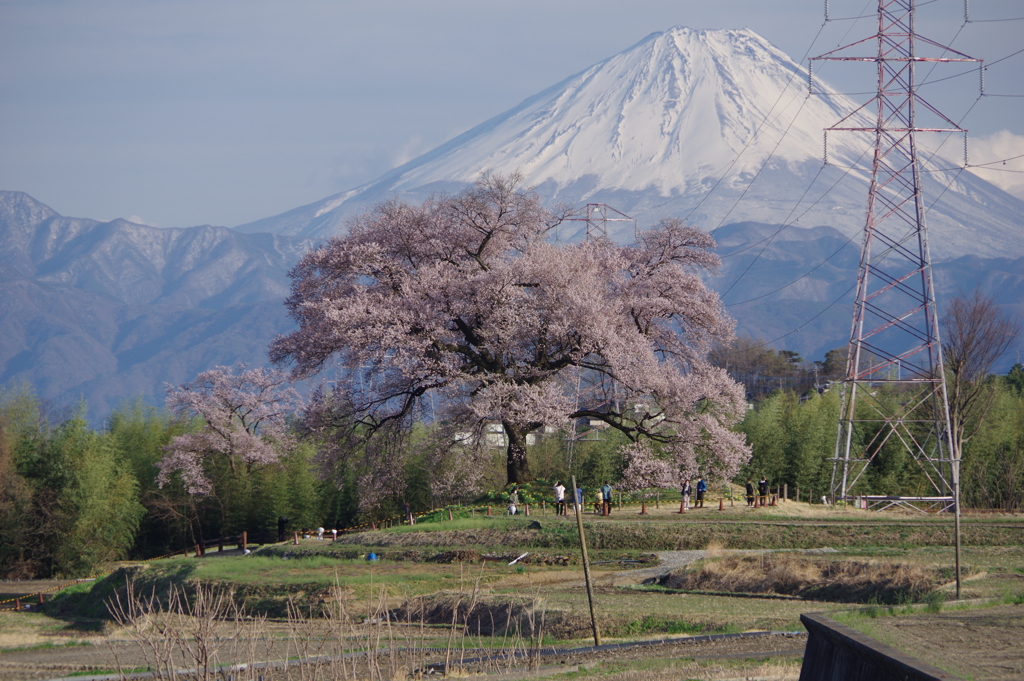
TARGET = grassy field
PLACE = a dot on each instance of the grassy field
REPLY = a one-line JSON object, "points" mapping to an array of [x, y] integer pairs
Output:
{"points": [[439, 567], [472, 553]]}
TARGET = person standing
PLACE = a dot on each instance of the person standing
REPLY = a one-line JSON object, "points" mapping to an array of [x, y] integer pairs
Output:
{"points": [[750, 492], [606, 499], [513, 501], [579, 498], [762, 490], [686, 491], [702, 487], [559, 498]]}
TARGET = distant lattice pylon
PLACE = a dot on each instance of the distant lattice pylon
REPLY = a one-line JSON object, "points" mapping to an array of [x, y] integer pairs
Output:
{"points": [[594, 392], [894, 392], [598, 215]]}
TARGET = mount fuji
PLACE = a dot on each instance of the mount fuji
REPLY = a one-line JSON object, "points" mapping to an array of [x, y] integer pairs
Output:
{"points": [[712, 126], [716, 126]]}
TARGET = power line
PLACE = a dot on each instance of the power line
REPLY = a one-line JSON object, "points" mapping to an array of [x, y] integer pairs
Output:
{"points": [[850, 28], [802, 276], [725, 171], [989, 21], [786, 223], [819, 265], [800, 328], [993, 63], [757, 132], [979, 165], [763, 166], [1001, 170]]}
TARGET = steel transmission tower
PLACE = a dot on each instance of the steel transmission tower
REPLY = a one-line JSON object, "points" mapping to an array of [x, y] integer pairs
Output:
{"points": [[894, 392], [593, 391], [598, 215]]}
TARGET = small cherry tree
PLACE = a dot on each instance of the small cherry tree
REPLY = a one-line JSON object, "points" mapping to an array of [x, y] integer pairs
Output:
{"points": [[243, 423], [463, 309]]}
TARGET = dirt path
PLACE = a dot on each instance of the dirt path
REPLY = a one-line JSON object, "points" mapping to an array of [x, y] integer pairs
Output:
{"points": [[101, 659], [985, 644], [667, 562]]}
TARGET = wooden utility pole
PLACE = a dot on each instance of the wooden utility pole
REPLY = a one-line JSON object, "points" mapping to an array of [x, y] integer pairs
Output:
{"points": [[586, 567]]}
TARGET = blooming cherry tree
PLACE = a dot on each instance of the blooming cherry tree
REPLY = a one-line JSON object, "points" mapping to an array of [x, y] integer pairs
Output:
{"points": [[244, 422], [465, 299], [644, 470]]}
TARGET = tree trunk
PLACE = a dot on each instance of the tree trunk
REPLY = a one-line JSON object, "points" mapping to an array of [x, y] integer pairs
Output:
{"points": [[517, 465]]}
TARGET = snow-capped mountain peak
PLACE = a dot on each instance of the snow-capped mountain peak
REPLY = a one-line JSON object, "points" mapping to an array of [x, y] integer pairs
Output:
{"points": [[716, 126]]}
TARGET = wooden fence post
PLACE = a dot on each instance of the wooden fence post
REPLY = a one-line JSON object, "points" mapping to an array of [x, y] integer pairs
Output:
{"points": [[245, 541]]}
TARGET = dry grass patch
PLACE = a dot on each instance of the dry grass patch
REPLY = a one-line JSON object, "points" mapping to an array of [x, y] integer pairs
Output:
{"points": [[785, 574], [689, 669], [490, 616]]}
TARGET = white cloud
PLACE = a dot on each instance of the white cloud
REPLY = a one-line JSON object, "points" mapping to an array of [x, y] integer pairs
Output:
{"points": [[140, 221], [408, 151], [990, 152]]}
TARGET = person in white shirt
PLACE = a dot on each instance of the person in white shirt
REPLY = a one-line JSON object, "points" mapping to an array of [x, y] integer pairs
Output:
{"points": [[559, 498]]}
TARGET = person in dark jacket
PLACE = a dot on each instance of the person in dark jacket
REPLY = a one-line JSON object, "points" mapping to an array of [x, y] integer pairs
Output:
{"points": [[686, 491], [762, 490], [702, 487], [750, 492]]}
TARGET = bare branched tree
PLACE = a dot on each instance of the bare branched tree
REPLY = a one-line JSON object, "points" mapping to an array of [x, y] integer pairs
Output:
{"points": [[975, 334]]}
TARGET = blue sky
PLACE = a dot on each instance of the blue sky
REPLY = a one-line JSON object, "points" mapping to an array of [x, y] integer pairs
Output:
{"points": [[187, 112]]}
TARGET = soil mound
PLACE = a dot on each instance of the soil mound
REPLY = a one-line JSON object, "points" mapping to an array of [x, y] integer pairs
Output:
{"points": [[516, 617], [456, 556], [809, 578]]}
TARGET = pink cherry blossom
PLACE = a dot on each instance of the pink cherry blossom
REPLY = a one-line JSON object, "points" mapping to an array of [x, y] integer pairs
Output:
{"points": [[465, 301], [244, 420]]}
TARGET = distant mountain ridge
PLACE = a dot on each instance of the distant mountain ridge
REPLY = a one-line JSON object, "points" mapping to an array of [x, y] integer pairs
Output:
{"points": [[679, 124], [713, 125], [76, 325], [109, 310]]}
